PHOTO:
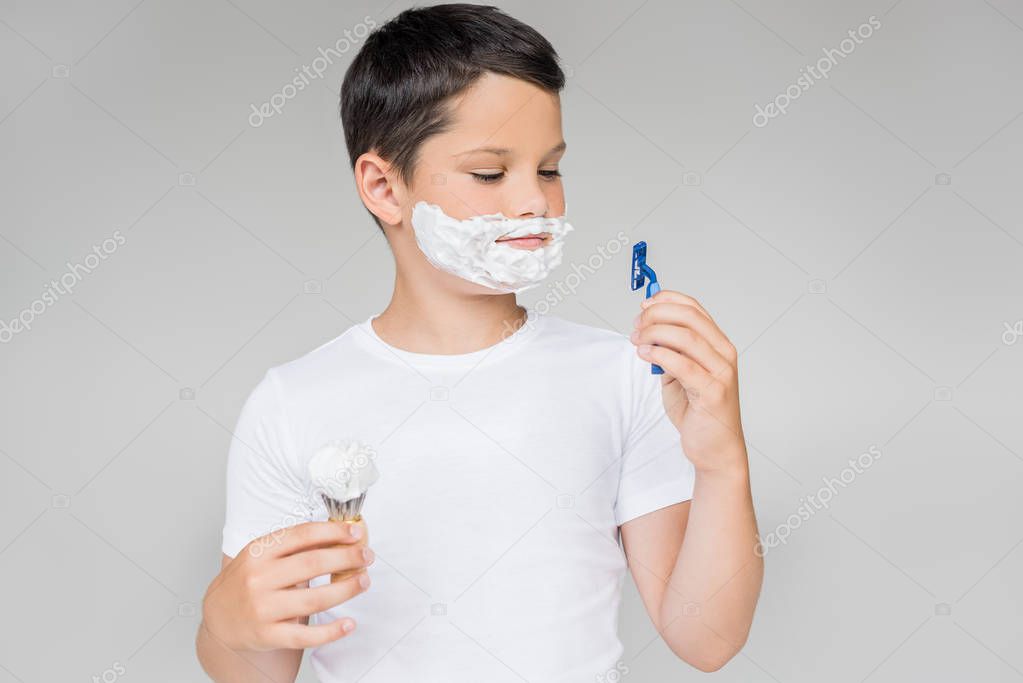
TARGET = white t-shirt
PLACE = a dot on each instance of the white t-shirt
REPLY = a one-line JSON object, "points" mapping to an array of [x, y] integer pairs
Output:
{"points": [[504, 475]]}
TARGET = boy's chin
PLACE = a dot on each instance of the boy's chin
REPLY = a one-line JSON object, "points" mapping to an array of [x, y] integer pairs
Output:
{"points": [[473, 289], [461, 286]]}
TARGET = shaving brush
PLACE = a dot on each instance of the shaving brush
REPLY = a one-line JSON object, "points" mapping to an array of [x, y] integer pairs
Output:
{"points": [[342, 472]]}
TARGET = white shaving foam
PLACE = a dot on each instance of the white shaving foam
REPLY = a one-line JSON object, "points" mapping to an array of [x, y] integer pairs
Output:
{"points": [[467, 248], [343, 469]]}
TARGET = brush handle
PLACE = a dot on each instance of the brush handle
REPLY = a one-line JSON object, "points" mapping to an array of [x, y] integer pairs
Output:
{"points": [[652, 289], [348, 573]]}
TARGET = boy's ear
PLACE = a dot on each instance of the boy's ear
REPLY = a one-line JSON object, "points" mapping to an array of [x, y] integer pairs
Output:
{"points": [[381, 191]]}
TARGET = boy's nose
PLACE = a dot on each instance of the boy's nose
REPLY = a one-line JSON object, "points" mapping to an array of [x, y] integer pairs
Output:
{"points": [[525, 197], [532, 207]]}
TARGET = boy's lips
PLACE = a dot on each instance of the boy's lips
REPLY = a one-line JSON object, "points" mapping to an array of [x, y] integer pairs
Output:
{"points": [[529, 242]]}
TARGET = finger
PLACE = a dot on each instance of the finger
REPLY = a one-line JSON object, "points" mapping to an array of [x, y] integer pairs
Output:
{"points": [[668, 296], [301, 636], [687, 371], [302, 602], [287, 571], [689, 316], [684, 340], [311, 535]]}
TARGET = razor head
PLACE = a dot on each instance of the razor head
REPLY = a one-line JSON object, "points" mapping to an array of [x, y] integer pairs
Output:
{"points": [[638, 263]]}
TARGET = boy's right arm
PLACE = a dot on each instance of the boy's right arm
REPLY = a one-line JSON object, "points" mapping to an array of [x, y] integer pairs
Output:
{"points": [[256, 611]]}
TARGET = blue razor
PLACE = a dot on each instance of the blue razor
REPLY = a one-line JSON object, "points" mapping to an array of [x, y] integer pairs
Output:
{"points": [[644, 274]]}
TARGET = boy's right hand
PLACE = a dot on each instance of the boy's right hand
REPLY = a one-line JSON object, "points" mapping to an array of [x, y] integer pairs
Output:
{"points": [[259, 601]]}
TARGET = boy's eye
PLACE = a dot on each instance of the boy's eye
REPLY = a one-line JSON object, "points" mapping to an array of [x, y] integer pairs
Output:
{"points": [[549, 174]]}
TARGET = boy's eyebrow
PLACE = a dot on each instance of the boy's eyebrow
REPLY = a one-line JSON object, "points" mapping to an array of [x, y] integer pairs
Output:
{"points": [[504, 150]]}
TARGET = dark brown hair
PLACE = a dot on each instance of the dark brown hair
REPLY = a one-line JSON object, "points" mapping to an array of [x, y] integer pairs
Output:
{"points": [[395, 92]]}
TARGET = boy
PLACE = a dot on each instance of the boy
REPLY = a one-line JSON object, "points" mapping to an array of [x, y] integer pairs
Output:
{"points": [[511, 465]]}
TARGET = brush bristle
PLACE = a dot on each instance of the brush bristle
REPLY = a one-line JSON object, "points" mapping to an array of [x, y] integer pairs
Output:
{"points": [[343, 510]]}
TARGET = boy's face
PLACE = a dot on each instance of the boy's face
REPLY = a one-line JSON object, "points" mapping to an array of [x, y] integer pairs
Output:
{"points": [[500, 155], [465, 171]]}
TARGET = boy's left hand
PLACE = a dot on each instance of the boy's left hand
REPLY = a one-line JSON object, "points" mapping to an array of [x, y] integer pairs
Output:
{"points": [[700, 385]]}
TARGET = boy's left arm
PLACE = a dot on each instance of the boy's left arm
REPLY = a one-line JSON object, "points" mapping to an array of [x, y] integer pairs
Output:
{"points": [[696, 563]]}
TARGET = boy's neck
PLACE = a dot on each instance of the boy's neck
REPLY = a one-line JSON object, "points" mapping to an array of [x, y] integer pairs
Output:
{"points": [[437, 322]]}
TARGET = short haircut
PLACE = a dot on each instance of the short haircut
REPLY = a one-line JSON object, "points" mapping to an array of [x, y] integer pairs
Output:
{"points": [[396, 91]]}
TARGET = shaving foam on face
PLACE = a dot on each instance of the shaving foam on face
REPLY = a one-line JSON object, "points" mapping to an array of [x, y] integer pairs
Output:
{"points": [[343, 470], [467, 248]]}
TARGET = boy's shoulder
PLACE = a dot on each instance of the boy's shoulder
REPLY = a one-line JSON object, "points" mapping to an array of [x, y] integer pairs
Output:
{"points": [[321, 361], [594, 347], [575, 343], [559, 327]]}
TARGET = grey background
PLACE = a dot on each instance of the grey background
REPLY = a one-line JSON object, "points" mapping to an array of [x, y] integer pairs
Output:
{"points": [[872, 297]]}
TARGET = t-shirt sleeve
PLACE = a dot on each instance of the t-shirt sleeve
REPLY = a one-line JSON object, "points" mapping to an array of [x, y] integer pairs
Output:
{"points": [[655, 472], [264, 492]]}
